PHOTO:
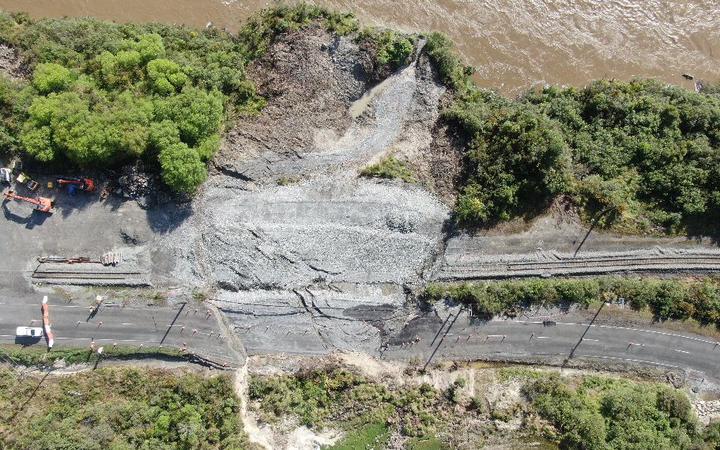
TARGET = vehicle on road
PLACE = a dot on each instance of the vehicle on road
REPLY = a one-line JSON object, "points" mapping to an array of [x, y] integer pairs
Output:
{"points": [[28, 332]]}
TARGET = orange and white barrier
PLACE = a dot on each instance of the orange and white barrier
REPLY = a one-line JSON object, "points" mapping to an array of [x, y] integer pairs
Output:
{"points": [[46, 322]]}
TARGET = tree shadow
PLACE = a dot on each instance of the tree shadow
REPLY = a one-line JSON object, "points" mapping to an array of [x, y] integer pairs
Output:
{"points": [[168, 217]]}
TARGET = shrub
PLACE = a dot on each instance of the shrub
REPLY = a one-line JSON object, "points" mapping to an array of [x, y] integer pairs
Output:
{"points": [[667, 299], [449, 66], [618, 414], [182, 168], [391, 50], [120, 408], [389, 167], [50, 77], [644, 154]]}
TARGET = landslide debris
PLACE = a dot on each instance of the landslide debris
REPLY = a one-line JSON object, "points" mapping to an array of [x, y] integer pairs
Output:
{"points": [[286, 227]]}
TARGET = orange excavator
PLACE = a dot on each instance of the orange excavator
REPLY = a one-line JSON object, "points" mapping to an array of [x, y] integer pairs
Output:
{"points": [[83, 184], [41, 204]]}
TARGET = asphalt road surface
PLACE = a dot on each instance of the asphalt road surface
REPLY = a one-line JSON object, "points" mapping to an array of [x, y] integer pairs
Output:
{"points": [[565, 343], [181, 326]]}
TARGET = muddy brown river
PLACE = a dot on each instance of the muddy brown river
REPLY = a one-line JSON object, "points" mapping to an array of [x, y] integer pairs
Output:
{"points": [[513, 44]]}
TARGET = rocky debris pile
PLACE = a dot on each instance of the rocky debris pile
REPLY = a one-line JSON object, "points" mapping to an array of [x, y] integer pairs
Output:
{"points": [[134, 183], [11, 64], [310, 79], [707, 411], [326, 261]]}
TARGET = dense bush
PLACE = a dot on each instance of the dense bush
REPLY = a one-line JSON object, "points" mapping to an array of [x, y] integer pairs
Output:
{"points": [[640, 155], [667, 299], [449, 66], [604, 413], [517, 158], [119, 408], [103, 94]]}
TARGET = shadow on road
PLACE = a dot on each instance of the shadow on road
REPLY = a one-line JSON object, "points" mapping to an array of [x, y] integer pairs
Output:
{"points": [[572, 352], [33, 219], [172, 323], [27, 341]]}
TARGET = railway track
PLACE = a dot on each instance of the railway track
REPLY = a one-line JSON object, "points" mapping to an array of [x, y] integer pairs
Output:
{"points": [[560, 265], [134, 278]]}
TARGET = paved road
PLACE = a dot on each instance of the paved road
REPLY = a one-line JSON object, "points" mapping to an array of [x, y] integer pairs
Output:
{"points": [[186, 325], [573, 342], [264, 330], [90, 228]]}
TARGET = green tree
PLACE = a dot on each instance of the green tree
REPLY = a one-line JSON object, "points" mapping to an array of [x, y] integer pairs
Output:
{"points": [[182, 168], [197, 114], [50, 77], [166, 76]]}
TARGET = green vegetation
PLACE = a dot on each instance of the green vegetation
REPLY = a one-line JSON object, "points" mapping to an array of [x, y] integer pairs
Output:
{"points": [[604, 413], [368, 436], [448, 64], [118, 409], [667, 299], [260, 31], [639, 156], [337, 397], [391, 50], [35, 356], [389, 167], [103, 94], [577, 411]]}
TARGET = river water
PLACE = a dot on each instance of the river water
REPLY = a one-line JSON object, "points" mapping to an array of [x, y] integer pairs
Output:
{"points": [[513, 44]]}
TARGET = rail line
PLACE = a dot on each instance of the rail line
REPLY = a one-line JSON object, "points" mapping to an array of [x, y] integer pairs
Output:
{"points": [[91, 278], [594, 265]]}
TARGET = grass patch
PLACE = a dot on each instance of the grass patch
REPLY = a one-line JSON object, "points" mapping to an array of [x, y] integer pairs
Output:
{"points": [[391, 168], [432, 443], [368, 436], [40, 357], [119, 409]]}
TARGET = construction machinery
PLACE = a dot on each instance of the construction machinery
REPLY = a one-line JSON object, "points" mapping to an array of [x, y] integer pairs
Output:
{"points": [[31, 184], [41, 204], [83, 184]]}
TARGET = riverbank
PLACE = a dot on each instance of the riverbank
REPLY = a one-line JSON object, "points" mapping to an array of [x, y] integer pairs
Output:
{"points": [[513, 45]]}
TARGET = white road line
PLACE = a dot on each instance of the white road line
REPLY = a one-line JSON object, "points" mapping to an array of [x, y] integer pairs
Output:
{"points": [[99, 339], [591, 340], [642, 361], [682, 351], [542, 337], [640, 330]]}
